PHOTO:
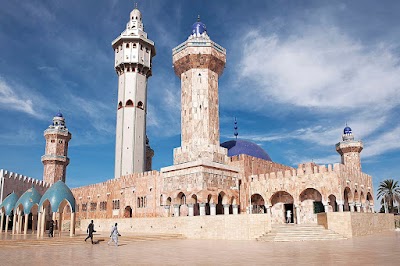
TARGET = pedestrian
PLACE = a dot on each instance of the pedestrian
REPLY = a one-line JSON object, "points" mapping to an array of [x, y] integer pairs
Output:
{"points": [[114, 235], [90, 230], [288, 216], [51, 228]]}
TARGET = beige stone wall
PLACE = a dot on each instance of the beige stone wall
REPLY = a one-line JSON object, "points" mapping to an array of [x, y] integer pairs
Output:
{"points": [[356, 224], [231, 227], [397, 221]]}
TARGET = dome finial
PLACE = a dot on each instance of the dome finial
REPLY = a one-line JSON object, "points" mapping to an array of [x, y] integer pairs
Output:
{"points": [[136, 5], [235, 132], [198, 18]]}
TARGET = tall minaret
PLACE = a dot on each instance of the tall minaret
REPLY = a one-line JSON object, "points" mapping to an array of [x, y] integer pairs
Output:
{"points": [[133, 57], [350, 149], [199, 62], [55, 159]]}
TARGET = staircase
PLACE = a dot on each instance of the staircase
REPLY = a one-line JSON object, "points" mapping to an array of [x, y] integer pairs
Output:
{"points": [[299, 232]]}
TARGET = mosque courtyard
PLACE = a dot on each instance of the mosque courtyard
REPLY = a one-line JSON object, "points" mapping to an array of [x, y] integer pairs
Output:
{"points": [[379, 249]]}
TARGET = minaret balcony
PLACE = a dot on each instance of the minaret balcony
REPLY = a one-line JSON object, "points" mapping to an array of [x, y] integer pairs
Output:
{"points": [[51, 157]]}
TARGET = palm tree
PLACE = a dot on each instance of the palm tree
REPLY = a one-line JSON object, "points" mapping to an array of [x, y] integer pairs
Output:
{"points": [[389, 190]]}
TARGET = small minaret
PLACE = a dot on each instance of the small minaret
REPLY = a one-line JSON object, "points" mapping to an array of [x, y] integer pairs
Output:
{"points": [[55, 159], [199, 62], [133, 57], [350, 149]]}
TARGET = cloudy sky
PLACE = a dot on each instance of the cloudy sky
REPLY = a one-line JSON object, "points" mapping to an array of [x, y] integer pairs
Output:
{"points": [[296, 72]]}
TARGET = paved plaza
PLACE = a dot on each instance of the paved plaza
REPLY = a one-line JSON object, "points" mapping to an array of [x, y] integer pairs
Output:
{"points": [[383, 249]]}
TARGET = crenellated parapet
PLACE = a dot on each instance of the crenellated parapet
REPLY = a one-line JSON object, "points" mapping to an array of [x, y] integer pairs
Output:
{"points": [[11, 181]]}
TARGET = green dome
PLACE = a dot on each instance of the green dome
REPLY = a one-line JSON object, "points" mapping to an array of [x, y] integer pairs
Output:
{"points": [[9, 203], [29, 199], [56, 194]]}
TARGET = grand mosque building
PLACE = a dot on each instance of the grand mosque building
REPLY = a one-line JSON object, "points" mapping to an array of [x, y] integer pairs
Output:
{"points": [[209, 185]]}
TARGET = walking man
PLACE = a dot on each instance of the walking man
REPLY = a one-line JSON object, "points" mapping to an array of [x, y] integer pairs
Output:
{"points": [[114, 235], [288, 216], [90, 230], [51, 228]]}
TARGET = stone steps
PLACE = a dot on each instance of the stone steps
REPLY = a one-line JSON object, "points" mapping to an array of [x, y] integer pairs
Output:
{"points": [[294, 232]]}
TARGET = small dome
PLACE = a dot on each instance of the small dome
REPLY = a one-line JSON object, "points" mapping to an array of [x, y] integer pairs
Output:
{"points": [[198, 28], [30, 198], [59, 114], [9, 203], [347, 130], [236, 147], [56, 194]]}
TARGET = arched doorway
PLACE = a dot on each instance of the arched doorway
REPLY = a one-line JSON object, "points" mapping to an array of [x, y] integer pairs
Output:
{"points": [[128, 212], [257, 204], [348, 198], [222, 199], [281, 202], [332, 203], [311, 204]]}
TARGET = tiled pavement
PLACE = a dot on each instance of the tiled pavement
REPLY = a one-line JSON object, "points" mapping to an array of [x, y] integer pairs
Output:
{"points": [[383, 249]]}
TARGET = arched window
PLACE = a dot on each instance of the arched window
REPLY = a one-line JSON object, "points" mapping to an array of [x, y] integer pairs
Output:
{"points": [[145, 202], [119, 105], [127, 45], [138, 202], [140, 105], [134, 45], [129, 103], [161, 200]]}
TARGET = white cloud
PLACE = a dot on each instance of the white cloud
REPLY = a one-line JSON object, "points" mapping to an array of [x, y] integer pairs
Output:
{"points": [[12, 98], [322, 68]]}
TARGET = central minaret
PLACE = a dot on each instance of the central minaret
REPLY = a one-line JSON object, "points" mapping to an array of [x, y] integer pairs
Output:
{"points": [[133, 57], [199, 62]]}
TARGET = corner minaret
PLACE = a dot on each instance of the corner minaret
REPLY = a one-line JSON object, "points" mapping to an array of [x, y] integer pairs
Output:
{"points": [[55, 159], [199, 62], [133, 57], [350, 149]]}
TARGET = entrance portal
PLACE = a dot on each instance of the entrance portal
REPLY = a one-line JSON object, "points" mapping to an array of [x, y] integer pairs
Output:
{"points": [[289, 207]]}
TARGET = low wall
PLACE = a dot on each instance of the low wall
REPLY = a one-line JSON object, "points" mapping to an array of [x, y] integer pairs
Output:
{"points": [[232, 227], [350, 224], [397, 221]]}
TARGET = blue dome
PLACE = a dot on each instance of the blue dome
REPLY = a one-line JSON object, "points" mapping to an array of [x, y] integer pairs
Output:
{"points": [[9, 203], [198, 28], [30, 198], [236, 147], [59, 114], [347, 130], [56, 194]]}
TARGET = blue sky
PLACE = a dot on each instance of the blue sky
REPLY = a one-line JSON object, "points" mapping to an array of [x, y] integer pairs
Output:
{"points": [[296, 72]]}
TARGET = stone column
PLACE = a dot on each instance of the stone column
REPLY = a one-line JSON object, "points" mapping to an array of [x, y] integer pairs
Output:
{"points": [[20, 222], [43, 223], [7, 220], [72, 225], [341, 207], [371, 208], [226, 209], [39, 219], [213, 210], [191, 210], [326, 207], [351, 207], [59, 223], [267, 209], [176, 210], [202, 207], [235, 210], [297, 214], [358, 207], [167, 210], [34, 222], [14, 229], [26, 224], [1, 222]]}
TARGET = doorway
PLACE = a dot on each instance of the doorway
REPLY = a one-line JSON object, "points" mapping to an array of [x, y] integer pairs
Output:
{"points": [[289, 207]]}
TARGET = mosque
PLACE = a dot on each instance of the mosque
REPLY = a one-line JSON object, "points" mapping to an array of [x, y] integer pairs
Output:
{"points": [[207, 179]]}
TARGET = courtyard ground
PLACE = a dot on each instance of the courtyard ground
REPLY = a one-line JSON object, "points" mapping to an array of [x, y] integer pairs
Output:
{"points": [[382, 249]]}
